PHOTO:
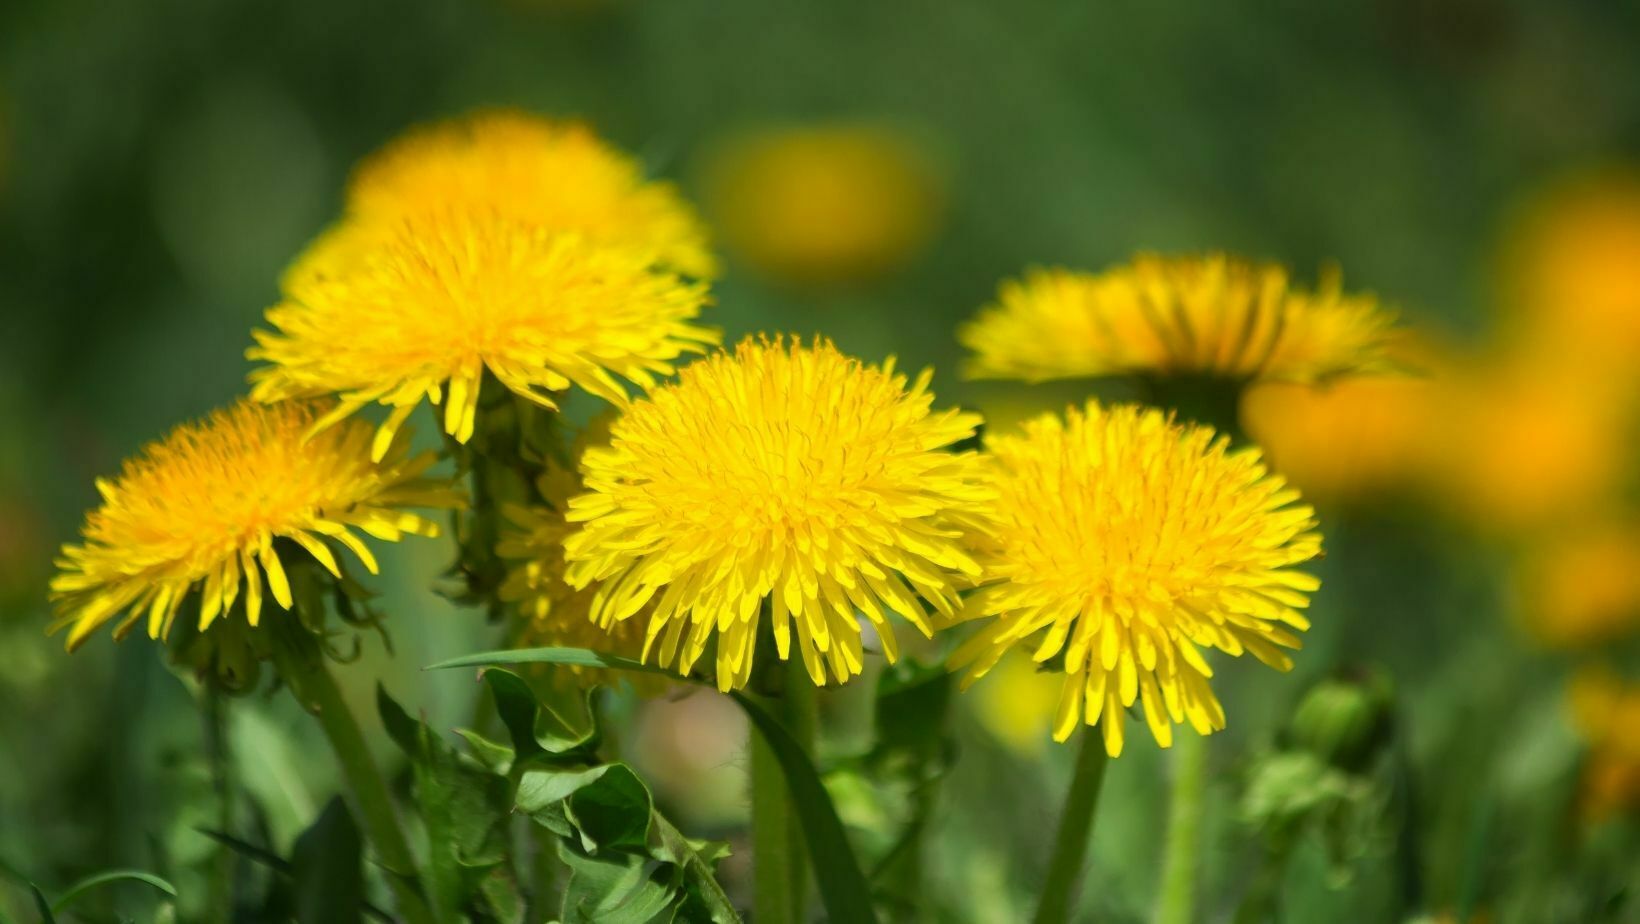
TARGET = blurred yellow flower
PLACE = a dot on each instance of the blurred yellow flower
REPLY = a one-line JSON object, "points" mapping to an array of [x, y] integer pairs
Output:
{"points": [[783, 473], [558, 175], [1606, 713], [423, 307], [551, 612], [825, 203], [1522, 443], [1016, 701], [1347, 438], [1572, 269], [1215, 315], [1127, 542], [1582, 589], [206, 503]]}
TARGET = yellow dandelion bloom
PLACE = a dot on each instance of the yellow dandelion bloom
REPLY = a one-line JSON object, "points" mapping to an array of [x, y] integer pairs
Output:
{"points": [[1347, 438], [825, 203], [783, 473], [1526, 443], [1581, 589], [554, 174], [393, 314], [1129, 543], [1606, 713], [1572, 269], [552, 613], [205, 504], [1213, 315]]}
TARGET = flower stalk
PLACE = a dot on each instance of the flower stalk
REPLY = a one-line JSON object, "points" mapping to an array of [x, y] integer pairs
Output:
{"points": [[780, 858], [1184, 831], [1075, 826], [302, 666]]}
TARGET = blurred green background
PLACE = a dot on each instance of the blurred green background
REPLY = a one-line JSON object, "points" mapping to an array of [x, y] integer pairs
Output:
{"points": [[161, 162]]}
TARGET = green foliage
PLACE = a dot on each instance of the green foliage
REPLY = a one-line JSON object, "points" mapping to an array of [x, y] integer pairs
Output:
{"points": [[327, 868], [463, 807]]}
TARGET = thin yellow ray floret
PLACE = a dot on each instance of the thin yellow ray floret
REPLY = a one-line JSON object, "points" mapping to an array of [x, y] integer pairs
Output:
{"points": [[785, 479], [1213, 315], [421, 308], [1124, 545], [203, 507]]}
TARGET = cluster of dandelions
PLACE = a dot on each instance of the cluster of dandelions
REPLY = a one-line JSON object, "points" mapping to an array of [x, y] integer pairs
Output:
{"points": [[779, 490]]}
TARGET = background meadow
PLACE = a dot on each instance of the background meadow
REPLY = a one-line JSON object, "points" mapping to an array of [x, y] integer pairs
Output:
{"points": [[871, 171]]}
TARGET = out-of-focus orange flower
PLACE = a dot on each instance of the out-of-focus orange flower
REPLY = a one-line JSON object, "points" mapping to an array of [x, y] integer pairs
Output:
{"points": [[1606, 712], [1582, 589], [1349, 438], [825, 203], [1527, 442], [1572, 268]]}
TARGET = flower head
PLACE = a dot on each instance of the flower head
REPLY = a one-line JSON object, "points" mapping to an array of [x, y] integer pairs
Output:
{"points": [[783, 473], [553, 174], [421, 308], [1606, 713], [1127, 543], [825, 203], [1213, 315], [551, 612], [205, 504]]}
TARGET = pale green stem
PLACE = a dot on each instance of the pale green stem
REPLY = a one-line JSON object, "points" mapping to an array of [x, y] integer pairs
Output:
{"points": [[1070, 850], [1184, 831], [779, 859], [303, 668]]}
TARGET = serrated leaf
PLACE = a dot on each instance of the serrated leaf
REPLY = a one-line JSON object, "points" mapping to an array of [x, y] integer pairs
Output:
{"points": [[619, 888], [493, 756], [534, 727], [613, 811], [464, 808], [327, 868]]}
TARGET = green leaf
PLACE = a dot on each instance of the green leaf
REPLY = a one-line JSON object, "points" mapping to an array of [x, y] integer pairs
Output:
{"points": [[525, 716], [620, 888], [100, 879], [613, 811], [464, 808], [704, 898], [327, 868], [843, 888], [41, 905], [264, 857], [495, 757], [584, 657], [607, 806]]}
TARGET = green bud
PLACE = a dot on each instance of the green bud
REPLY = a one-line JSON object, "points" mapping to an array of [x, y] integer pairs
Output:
{"points": [[1345, 720]]}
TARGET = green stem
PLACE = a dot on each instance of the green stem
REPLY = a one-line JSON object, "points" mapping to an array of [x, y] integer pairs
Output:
{"points": [[220, 896], [1184, 831], [1070, 849], [779, 860], [303, 668]]}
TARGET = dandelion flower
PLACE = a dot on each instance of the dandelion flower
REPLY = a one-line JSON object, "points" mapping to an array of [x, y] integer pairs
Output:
{"points": [[1350, 438], [1572, 270], [1128, 543], [825, 203], [783, 473], [422, 308], [1606, 713], [552, 613], [1581, 589], [553, 174], [1213, 315], [205, 504]]}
